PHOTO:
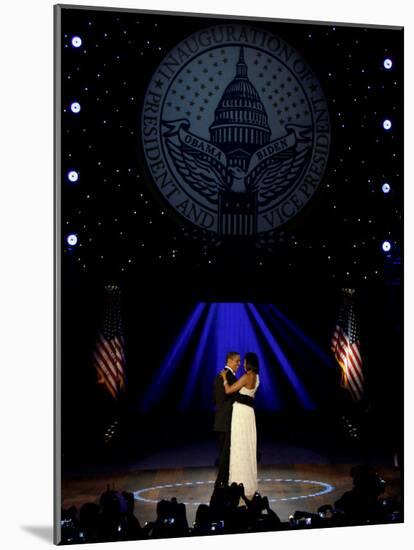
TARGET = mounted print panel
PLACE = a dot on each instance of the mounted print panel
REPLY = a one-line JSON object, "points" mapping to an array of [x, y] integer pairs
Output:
{"points": [[229, 311]]}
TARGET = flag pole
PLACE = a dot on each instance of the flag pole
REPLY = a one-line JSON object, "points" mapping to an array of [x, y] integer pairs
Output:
{"points": [[346, 347], [109, 360]]}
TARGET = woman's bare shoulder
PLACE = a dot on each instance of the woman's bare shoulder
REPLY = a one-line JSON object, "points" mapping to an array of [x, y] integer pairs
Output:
{"points": [[250, 379]]}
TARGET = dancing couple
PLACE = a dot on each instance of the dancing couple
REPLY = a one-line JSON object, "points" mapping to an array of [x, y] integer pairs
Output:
{"points": [[235, 422]]}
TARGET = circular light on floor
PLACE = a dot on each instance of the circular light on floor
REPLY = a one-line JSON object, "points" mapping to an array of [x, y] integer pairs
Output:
{"points": [[326, 488]]}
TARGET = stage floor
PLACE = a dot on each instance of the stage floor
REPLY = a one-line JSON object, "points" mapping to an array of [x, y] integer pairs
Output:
{"points": [[293, 478]]}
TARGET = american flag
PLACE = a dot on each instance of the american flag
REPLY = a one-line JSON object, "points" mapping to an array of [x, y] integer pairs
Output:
{"points": [[346, 347], [108, 355]]}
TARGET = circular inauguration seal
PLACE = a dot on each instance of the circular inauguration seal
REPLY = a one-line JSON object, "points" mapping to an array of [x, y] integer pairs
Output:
{"points": [[235, 130]]}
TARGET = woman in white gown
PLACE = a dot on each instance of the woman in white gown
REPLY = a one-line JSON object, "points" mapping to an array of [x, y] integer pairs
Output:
{"points": [[243, 461]]}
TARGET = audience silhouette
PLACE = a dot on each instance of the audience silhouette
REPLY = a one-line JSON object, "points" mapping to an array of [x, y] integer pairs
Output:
{"points": [[229, 511]]}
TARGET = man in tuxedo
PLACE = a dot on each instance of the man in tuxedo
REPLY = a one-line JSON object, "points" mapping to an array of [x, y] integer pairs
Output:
{"points": [[222, 418]]}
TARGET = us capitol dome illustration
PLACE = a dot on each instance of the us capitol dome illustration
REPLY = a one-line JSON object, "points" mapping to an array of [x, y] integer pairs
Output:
{"points": [[240, 125]]}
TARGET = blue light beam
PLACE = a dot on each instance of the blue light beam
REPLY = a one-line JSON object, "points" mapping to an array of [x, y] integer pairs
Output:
{"points": [[234, 331], [197, 362], [300, 390], [267, 390], [325, 358], [170, 363]]}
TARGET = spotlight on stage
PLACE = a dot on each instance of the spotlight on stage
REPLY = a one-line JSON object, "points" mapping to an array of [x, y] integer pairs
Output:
{"points": [[386, 188], [75, 107], [72, 239], [159, 383], [201, 344], [76, 42], [287, 368], [387, 63], [310, 344], [73, 176], [386, 246], [387, 124]]}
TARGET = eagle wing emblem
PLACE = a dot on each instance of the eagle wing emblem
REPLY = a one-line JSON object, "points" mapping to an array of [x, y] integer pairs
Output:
{"points": [[275, 175], [204, 175]]}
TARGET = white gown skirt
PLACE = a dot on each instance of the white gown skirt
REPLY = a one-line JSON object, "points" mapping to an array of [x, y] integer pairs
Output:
{"points": [[243, 461]]}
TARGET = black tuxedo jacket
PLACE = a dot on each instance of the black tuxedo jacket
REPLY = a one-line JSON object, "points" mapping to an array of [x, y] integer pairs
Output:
{"points": [[223, 403]]}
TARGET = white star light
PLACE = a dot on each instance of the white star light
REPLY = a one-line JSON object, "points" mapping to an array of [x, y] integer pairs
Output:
{"points": [[75, 107], [72, 239], [73, 176], [76, 42]]}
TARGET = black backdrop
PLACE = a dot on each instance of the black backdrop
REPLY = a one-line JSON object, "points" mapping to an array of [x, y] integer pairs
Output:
{"points": [[125, 236]]}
